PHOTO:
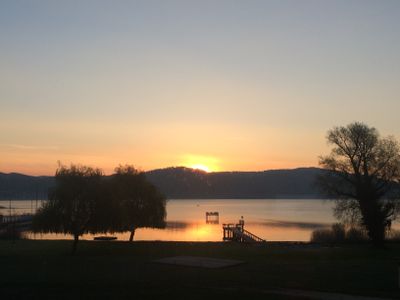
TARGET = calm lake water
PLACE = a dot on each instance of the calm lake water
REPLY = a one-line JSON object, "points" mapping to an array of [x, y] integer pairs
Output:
{"points": [[270, 219]]}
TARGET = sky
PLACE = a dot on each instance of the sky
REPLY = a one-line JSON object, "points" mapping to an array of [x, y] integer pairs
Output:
{"points": [[227, 85]]}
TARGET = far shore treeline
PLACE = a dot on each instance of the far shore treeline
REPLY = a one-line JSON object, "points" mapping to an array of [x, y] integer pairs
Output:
{"points": [[186, 183]]}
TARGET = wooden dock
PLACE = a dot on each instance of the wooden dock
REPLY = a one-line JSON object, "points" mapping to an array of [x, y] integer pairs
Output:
{"points": [[236, 232], [212, 217]]}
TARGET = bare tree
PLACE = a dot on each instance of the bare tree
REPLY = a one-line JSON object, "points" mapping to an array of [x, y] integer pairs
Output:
{"points": [[363, 172]]}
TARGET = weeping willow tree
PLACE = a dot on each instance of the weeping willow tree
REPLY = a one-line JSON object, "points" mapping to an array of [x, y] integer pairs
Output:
{"points": [[85, 201], [363, 172], [72, 203], [141, 204]]}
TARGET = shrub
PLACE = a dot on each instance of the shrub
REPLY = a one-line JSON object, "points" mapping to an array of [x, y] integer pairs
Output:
{"points": [[10, 233], [338, 232], [355, 234], [394, 235], [322, 236]]}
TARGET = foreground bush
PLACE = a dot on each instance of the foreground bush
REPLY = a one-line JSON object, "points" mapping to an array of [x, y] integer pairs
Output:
{"points": [[338, 234], [10, 233], [356, 235], [394, 235], [322, 236]]}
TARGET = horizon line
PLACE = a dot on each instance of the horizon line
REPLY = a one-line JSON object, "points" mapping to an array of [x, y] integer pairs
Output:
{"points": [[180, 167]]}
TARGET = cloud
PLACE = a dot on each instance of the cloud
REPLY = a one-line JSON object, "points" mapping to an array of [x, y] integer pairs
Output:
{"points": [[29, 147], [292, 224]]}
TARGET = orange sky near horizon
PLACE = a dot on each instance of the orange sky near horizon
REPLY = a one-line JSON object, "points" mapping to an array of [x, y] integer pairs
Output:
{"points": [[217, 148]]}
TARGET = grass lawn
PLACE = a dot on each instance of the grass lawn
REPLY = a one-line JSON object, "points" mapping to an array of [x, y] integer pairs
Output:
{"points": [[114, 270]]}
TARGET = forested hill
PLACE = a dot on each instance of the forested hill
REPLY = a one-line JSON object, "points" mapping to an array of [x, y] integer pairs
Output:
{"points": [[19, 186], [180, 182], [188, 183]]}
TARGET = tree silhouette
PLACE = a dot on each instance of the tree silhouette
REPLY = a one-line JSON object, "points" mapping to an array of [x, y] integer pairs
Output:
{"points": [[85, 201], [363, 173], [141, 204], [72, 203], [107, 214], [128, 201]]}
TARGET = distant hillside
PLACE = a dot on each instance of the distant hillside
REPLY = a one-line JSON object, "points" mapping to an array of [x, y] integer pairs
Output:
{"points": [[188, 183], [181, 183], [19, 186]]}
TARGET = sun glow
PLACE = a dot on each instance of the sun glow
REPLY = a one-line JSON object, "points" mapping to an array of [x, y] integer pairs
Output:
{"points": [[200, 167], [204, 163]]}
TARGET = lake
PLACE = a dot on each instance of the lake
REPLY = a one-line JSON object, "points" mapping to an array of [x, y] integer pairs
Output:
{"points": [[270, 219]]}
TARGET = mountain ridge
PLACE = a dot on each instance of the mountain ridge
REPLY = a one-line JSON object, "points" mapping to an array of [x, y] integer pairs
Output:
{"points": [[187, 183]]}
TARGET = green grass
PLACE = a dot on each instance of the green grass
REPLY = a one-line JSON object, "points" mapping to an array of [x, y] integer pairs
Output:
{"points": [[109, 270]]}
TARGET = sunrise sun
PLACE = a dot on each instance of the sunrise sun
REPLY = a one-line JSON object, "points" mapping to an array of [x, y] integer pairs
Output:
{"points": [[200, 167], [200, 162]]}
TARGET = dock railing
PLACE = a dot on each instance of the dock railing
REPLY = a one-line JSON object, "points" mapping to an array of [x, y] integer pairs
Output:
{"points": [[236, 232]]}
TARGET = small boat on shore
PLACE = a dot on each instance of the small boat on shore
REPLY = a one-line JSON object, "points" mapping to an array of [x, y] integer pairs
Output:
{"points": [[105, 238]]}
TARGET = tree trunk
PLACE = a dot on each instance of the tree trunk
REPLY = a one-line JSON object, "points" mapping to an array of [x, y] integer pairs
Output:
{"points": [[132, 234], [75, 244], [376, 228], [374, 220], [376, 233]]}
